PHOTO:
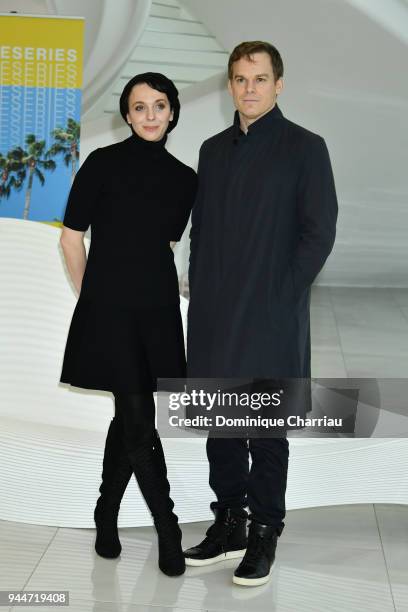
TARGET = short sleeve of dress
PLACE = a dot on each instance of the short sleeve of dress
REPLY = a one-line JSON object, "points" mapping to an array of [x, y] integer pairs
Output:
{"points": [[188, 194], [84, 193]]}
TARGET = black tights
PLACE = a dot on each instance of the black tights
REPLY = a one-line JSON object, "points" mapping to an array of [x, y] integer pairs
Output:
{"points": [[136, 414]]}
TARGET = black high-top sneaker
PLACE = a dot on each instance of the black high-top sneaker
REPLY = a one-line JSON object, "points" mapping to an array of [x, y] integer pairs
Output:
{"points": [[256, 566], [226, 539]]}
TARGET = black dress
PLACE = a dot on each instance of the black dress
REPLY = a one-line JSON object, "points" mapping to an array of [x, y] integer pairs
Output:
{"points": [[126, 329]]}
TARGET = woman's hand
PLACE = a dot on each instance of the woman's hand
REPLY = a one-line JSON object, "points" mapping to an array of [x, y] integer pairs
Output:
{"points": [[172, 244], [73, 247]]}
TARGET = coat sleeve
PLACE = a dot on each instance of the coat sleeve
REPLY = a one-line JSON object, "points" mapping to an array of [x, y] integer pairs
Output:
{"points": [[84, 193], [189, 190], [196, 215], [317, 215]]}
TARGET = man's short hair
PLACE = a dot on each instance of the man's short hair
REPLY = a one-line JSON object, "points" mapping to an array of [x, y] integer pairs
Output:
{"points": [[246, 49]]}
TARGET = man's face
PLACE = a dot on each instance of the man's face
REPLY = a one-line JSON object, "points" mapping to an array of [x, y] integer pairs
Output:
{"points": [[253, 86]]}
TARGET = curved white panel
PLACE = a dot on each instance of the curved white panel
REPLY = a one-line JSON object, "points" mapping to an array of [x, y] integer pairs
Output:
{"points": [[52, 437], [50, 475], [35, 312]]}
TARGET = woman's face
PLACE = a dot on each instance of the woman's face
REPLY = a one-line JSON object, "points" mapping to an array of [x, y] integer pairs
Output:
{"points": [[149, 112]]}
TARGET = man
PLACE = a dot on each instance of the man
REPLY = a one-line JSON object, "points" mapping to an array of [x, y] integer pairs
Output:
{"points": [[263, 225]]}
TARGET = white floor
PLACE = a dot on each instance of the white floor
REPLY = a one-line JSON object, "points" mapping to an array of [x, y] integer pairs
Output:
{"points": [[359, 333], [343, 558]]}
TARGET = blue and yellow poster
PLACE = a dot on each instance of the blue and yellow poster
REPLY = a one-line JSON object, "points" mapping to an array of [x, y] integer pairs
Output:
{"points": [[40, 101]]}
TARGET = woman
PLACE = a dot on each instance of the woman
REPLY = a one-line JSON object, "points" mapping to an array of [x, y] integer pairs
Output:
{"points": [[126, 330]]}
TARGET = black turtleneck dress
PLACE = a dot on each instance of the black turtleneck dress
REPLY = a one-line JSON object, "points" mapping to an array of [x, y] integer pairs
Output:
{"points": [[126, 329]]}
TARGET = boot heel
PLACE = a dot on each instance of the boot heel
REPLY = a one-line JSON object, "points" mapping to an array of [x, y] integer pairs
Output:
{"points": [[107, 543], [171, 558]]}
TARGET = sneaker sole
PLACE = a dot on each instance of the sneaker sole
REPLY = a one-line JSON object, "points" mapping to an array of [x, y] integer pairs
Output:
{"points": [[232, 554], [252, 581]]}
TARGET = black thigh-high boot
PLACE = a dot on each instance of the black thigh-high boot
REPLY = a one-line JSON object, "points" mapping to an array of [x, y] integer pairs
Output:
{"points": [[146, 457], [115, 477]]}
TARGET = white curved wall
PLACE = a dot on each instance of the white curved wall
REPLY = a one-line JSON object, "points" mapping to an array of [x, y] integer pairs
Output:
{"points": [[52, 436]]}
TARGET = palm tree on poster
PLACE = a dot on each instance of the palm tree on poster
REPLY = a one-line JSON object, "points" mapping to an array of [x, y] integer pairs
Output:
{"points": [[12, 172], [34, 159], [67, 144]]}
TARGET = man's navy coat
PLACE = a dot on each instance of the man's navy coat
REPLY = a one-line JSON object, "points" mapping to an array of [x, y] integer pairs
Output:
{"points": [[263, 225]]}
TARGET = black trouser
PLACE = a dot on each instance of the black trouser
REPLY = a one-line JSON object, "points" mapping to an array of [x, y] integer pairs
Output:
{"points": [[262, 487]]}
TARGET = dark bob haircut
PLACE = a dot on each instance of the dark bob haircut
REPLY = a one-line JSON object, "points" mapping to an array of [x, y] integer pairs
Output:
{"points": [[157, 81]]}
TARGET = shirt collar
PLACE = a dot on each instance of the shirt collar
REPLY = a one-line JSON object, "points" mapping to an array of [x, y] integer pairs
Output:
{"points": [[260, 126]]}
